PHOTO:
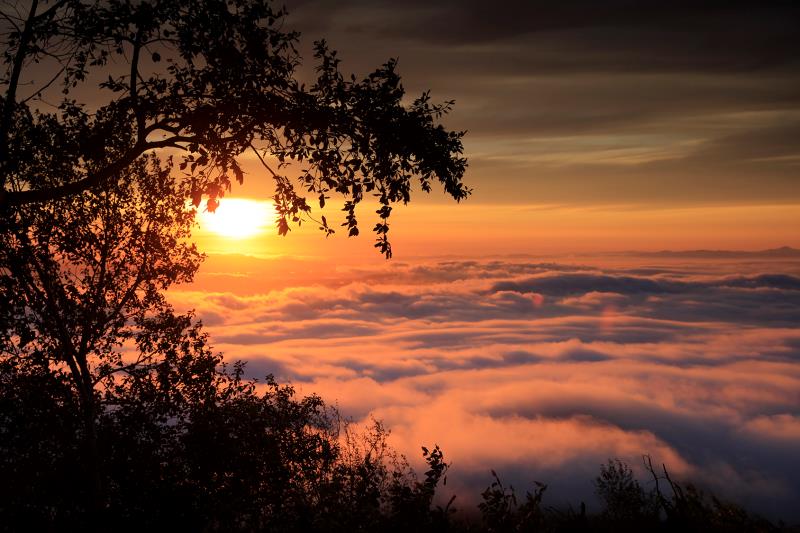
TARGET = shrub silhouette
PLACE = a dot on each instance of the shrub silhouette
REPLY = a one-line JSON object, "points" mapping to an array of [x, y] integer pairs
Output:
{"points": [[625, 501], [198, 448], [689, 508], [501, 512]]}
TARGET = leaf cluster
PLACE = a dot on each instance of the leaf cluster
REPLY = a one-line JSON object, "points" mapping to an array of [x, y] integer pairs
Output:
{"points": [[210, 80], [83, 278]]}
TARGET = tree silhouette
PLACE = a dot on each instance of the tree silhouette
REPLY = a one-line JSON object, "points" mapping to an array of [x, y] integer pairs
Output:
{"points": [[114, 407], [210, 79], [624, 498], [94, 228], [82, 283], [112, 404]]}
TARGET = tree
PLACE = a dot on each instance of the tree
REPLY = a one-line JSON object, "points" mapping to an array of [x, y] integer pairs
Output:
{"points": [[94, 228], [114, 407], [210, 79], [82, 283]]}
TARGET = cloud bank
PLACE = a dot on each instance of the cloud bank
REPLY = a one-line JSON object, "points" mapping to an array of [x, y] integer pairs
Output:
{"points": [[543, 370]]}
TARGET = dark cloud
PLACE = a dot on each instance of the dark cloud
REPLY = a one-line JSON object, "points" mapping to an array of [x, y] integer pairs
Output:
{"points": [[662, 305], [583, 355], [320, 329], [259, 368], [713, 33], [772, 281], [583, 101], [569, 284]]}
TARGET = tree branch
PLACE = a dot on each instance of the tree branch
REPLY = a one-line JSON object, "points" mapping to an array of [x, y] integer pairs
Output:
{"points": [[50, 10], [11, 93], [16, 198], [140, 125], [10, 21], [263, 163]]}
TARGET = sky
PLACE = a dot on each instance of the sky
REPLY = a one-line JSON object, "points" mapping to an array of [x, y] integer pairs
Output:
{"points": [[536, 328], [633, 124]]}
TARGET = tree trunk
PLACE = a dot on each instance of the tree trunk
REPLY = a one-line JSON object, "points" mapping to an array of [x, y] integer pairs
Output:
{"points": [[95, 488]]}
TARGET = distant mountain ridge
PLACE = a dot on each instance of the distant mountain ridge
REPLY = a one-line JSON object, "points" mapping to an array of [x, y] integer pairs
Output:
{"points": [[784, 252]]}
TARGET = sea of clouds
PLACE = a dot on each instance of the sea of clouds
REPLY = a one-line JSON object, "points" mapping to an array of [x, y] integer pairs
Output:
{"points": [[541, 370]]}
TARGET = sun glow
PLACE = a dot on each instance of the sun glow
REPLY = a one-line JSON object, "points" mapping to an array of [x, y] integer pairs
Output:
{"points": [[237, 218]]}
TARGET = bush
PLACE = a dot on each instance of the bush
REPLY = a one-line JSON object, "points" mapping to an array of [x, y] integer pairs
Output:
{"points": [[191, 445]]}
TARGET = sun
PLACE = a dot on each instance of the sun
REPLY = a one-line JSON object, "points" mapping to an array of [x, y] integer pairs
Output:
{"points": [[237, 218]]}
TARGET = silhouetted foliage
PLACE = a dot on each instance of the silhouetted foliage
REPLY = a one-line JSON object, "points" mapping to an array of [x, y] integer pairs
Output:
{"points": [[197, 448], [82, 304], [626, 502], [501, 512], [194, 447], [411, 502], [212, 79], [689, 508]]}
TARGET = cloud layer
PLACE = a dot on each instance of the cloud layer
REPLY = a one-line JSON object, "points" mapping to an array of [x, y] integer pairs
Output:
{"points": [[579, 101], [544, 370]]}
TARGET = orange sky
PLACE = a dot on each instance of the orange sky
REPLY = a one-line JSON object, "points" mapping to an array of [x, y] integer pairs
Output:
{"points": [[475, 228]]}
